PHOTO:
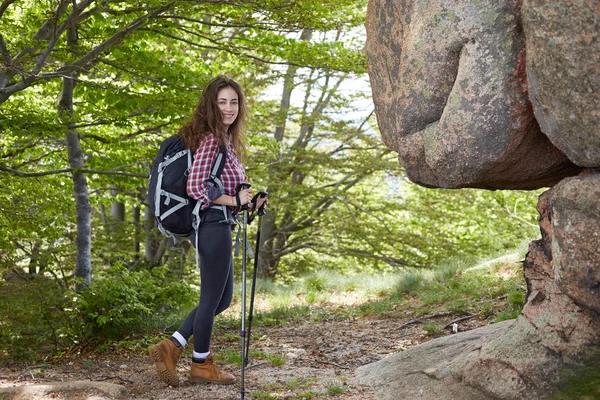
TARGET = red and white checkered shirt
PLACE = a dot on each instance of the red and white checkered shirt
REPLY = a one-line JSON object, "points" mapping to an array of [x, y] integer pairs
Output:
{"points": [[233, 172]]}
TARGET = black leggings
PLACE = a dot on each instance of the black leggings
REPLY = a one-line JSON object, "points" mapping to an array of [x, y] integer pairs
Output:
{"points": [[216, 280]]}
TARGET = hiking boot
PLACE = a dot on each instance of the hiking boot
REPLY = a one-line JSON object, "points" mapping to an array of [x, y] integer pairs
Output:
{"points": [[165, 356], [208, 372]]}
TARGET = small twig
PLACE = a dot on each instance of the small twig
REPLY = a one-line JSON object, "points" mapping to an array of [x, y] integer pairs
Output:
{"points": [[256, 365], [411, 322], [420, 320], [28, 370], [457, 320], [106, 377]]}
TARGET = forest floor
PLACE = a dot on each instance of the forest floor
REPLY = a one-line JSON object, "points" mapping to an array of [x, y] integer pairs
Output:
{"points": [[304, 360]]}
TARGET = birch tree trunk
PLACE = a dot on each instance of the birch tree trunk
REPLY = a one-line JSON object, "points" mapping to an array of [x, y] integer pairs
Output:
{"points": [[83, 270]]}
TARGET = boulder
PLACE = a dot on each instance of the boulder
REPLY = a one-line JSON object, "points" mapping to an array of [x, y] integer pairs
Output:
{"points": [[558, 329], [574, 229], [563, 71], [71, 389], [504, 94], [429, 371], [450, 90]]}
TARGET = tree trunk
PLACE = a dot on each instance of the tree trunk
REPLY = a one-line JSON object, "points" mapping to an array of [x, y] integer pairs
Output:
{"points": [[117, 209], [83, 270], [136, 234], [267, 266]]}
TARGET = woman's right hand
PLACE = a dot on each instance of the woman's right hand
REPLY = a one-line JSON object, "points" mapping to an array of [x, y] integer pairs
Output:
{"points": [[245, 196]]}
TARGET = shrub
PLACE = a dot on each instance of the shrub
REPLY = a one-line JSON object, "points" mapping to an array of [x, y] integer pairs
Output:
{"points": [[133, 301], [37, 318], [41, 318]]}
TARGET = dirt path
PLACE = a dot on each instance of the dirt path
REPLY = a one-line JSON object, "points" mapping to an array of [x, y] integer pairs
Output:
{"points": [[319, 360]]}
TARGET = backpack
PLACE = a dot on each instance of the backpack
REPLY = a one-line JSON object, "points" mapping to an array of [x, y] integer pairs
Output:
{"points": [[167, 190]]}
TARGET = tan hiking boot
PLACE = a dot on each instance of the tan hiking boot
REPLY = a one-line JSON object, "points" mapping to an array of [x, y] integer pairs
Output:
{"points": [[209, 373], [165, 356]]}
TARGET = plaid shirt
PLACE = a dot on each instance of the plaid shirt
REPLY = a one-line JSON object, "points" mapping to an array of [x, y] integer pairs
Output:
{"points": [[233, 172]]}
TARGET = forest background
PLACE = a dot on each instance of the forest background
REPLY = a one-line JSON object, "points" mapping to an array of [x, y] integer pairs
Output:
{"points": [[89, 89]]}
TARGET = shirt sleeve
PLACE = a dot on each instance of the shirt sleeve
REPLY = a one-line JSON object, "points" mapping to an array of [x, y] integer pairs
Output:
{"points": [[198, 181]]}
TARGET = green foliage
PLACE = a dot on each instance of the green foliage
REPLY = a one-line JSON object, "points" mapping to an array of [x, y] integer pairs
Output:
{"points": [[407, 283], [515, 300], [133, 301], [276, 360], [37, 319], [457, 288], [41, 318]]}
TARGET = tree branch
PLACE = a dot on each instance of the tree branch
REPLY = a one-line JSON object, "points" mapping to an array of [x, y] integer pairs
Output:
{"points": [[20, 150], [55, 36], [289, 250], [5, 5], [260, 25], [146, 77], [96, 51], [35, 160], [6, 58], [239, 54], [87, 59], [68, 170]]}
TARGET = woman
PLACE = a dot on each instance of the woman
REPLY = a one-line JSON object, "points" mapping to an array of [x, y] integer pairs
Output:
{"points": [[217, 121]]}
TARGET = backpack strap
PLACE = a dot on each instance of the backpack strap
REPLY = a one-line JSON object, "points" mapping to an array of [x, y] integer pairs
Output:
{"points": [[215, 174], [217, 168]]}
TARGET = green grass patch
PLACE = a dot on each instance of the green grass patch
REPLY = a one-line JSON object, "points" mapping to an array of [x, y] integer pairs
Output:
{"points": [[334, 387], [306, 395], [582, 383], [432, 328]]}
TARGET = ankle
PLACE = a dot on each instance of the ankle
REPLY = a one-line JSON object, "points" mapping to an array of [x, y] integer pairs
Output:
{"points": [[199, 358]]}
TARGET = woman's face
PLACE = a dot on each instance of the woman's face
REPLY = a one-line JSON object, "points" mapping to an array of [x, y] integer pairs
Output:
{"points": [[227, 100]]}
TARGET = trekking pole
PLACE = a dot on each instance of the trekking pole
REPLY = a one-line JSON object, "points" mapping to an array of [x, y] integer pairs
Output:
{"points": [[244, 208], [261, 211]]}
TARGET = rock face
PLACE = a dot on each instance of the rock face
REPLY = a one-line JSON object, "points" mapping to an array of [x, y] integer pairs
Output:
{"points": [[573, 230], [450, 90], [503, 94], [558, 328], [430, 371], [559, 325], [563, 70]]}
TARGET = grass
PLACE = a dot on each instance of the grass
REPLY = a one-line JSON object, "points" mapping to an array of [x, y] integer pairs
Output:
{"points": [[496, 290], [432, 328], [334, 387], [582, 383]]}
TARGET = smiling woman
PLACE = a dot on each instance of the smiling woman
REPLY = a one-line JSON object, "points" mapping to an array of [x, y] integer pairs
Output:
{"points": [[216, 123]]}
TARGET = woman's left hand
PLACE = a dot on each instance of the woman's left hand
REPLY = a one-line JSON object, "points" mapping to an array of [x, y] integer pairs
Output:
{"points": [[260, 202]]}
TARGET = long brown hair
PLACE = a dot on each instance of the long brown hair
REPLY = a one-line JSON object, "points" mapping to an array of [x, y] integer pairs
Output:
{"points": [[207, 117]]}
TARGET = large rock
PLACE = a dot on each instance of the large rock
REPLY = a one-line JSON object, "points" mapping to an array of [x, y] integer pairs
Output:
{"points": [[430, 371], [574, 230], [563, 70], [450, 92], [559, 326], [452, 82], [71, 389]]}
